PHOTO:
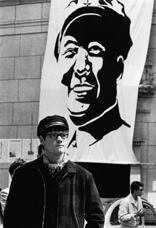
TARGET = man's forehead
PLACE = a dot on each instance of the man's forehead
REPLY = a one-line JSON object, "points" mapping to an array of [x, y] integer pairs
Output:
{"points": [[85, 28], [83, 32], [68, 40]]}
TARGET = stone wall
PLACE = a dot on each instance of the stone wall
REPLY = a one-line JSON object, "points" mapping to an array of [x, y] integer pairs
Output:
{"points": [[23, 33], [144, 144]]}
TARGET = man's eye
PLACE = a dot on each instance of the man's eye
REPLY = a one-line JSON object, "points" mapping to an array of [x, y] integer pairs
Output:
{"points": [[70, 53], [95, 50]]}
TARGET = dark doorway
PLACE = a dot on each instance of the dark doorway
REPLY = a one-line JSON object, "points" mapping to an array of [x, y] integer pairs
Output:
{"points": [[112, 180]]}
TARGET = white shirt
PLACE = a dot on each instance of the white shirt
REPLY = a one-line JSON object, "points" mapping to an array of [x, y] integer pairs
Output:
{"points": [[128, 207]]}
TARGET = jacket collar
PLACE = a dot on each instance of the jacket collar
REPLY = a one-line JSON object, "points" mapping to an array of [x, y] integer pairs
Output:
{"points": [[132, 200], [71, 167], [38, 164]]}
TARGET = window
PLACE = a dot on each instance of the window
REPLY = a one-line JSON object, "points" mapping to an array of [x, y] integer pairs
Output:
{"points": [[114, 216], [150, 218]]}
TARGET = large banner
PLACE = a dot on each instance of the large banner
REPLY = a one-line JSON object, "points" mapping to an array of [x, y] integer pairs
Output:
{"points": [[94, 60]]}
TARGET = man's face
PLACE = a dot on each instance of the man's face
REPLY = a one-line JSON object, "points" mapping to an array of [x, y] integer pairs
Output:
{"points": [[55, 142], [140, 191], [89, 70]]}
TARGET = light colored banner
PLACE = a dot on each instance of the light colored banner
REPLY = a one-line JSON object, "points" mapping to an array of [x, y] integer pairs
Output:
{"points": [[94, 60]]}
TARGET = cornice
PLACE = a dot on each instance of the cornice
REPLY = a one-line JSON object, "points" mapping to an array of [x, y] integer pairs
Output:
{"points": [[22, 27], [20, 2]]}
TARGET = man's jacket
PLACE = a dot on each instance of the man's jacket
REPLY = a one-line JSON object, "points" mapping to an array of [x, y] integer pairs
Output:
{"points": [[127, 209], [3, 198], [77, 196]]}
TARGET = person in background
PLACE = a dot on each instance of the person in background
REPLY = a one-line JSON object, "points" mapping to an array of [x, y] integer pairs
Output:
{"points": [[131, 208], [1, 216], [52, 191], [40, 150], [4, 193]]}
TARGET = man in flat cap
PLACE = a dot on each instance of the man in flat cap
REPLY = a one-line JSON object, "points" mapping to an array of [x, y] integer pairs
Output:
{"points": [[52, 191], [90, 49]]}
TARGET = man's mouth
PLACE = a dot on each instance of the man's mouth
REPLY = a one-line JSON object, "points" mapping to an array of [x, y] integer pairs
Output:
{"points": [[59, 145], [83, 88]]}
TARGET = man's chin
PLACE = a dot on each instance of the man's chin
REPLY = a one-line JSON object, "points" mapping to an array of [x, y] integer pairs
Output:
{"points": [[77, 109], [77, 113], [78, 118], [60, 151]]}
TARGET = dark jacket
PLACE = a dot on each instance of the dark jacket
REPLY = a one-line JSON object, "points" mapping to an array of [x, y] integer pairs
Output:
{"points": [[77, 196], [110, 121]]}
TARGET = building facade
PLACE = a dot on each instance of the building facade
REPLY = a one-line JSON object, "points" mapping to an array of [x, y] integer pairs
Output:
{"points": [[23, 34]]}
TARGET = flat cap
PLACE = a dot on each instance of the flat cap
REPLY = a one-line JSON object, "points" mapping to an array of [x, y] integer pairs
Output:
{"points": [[51, 121]]}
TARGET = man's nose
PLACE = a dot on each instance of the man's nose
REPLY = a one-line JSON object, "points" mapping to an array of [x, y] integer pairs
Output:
{"points": [[58, 138], [81, 66]]}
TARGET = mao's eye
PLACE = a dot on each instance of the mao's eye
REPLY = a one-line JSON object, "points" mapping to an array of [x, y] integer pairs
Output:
{"points": [[95, 50], [70, 52]]}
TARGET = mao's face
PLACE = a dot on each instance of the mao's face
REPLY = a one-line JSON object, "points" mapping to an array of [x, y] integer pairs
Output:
{"points": [[89, 72]]}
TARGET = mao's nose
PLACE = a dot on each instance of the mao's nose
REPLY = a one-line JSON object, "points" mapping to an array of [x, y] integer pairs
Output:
{"points": [[81, 65]]}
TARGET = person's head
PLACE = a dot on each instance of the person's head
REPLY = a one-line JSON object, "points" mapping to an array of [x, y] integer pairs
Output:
{"points": [[15, 165], [137, 188], [40, 150], [53, 134], [90, 50]]}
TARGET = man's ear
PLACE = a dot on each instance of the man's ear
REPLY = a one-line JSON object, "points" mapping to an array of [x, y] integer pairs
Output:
{"points": [[41, 139], [120, 67]]}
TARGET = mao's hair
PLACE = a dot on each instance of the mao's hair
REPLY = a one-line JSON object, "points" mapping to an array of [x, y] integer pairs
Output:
{"points": [[113, 23]]}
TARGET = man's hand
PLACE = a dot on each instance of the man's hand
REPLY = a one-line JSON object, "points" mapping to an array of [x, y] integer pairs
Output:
{"points": [[140, 213]]}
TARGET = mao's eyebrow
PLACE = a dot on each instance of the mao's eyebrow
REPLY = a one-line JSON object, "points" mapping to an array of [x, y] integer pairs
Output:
{"points": [[70, 42]]}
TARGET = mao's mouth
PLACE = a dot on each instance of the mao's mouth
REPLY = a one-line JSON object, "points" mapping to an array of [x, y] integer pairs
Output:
{"points": [[84, 92], [83, 88]]}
